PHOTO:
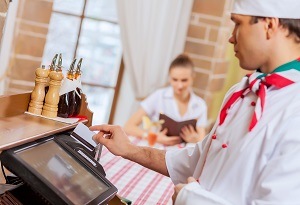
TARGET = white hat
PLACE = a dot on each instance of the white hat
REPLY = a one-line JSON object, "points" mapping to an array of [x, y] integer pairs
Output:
{"points": [[268, 8]]}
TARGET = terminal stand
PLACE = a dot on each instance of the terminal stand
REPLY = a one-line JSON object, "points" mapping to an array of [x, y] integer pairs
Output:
{"points": [[22, 131]]}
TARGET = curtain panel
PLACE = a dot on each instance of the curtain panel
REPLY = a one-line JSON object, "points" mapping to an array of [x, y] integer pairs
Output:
{"points": [[153, 33]]}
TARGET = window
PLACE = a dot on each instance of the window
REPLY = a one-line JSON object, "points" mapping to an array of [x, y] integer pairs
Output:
{"points": [[88, 29]]}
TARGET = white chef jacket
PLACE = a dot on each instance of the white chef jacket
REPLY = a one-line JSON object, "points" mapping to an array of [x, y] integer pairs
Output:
{"points": [[162, 101], [256, 168]]}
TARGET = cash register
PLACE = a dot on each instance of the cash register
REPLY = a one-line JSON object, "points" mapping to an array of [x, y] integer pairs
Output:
{"points": [[61, 170], [51, 165]]}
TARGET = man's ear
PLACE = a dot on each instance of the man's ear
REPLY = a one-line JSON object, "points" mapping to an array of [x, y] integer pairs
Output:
{"points": [[271, 26]]}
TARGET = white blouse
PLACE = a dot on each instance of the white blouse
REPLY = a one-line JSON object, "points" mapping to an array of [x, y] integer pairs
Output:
{"points": [[162, 101]]}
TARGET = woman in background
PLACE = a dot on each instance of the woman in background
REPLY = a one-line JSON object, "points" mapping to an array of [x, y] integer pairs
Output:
{"points": [[177, 101]]}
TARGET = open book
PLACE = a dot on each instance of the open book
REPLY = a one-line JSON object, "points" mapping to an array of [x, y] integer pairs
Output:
{"points": [[174, 127]]}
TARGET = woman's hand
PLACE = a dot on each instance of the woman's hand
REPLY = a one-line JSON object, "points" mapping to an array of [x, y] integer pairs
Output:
{"points": [[167, 140], [189, 134]]}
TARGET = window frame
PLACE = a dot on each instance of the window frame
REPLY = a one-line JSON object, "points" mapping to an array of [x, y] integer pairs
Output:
{"points": [[119, 76]]}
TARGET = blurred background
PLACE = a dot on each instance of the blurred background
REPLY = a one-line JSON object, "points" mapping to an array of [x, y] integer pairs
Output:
{"points": [[126, 46]]}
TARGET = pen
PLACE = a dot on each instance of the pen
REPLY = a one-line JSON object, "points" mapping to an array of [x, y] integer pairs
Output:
{"points": [[98, 150]]}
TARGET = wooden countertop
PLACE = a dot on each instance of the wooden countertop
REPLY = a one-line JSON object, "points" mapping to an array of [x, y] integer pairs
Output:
{"points": [[17, 127], [23, 128]]}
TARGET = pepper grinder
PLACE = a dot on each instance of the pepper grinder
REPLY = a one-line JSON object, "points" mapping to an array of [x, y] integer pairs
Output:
{"points": [[52, 97], [38, 93]]}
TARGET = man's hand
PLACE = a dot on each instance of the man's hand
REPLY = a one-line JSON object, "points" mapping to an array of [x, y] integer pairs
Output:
{"points": [[189, 134], [178, 188], [114, 138], [167, 140]]}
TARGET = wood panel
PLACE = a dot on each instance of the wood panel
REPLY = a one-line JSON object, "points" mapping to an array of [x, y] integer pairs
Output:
{"points": [[14, 104]]}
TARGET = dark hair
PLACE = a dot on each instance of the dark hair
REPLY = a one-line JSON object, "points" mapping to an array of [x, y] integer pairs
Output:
{"points": [[182, 60], [293, 25]]}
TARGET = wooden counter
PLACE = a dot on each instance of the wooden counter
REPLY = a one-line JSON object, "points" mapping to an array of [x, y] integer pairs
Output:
{"points": [[17, 128]]}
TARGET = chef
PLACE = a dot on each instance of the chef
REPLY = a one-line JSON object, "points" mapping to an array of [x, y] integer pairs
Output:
{"points": [[252, 154]]}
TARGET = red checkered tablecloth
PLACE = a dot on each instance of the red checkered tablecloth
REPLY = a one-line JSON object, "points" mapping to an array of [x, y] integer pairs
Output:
{"points": [[135, 182]]}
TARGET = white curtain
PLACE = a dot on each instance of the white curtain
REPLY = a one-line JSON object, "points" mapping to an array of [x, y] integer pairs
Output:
{"points": [[5, 45], [153, 33]]}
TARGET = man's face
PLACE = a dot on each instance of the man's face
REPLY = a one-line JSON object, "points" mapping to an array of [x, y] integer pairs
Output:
{"points": [[181, 79], [250, 41]]}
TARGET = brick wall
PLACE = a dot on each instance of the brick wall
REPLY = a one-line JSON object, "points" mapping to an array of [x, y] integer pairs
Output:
{"points": [[31, 30], [206, 44]]}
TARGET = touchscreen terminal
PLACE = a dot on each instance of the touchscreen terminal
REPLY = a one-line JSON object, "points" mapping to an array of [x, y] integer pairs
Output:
{"points": [[58, 170]]}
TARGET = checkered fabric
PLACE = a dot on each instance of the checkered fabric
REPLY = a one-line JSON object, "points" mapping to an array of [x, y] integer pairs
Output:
{"points": [[135, 182]]}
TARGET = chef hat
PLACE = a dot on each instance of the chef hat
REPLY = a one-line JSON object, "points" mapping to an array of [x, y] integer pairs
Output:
{"points": [[268, 8]]}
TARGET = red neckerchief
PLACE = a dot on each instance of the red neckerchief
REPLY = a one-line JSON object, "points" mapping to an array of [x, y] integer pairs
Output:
{"points": [[258, 83]]}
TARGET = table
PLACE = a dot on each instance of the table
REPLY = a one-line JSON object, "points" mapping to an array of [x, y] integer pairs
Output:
{"points": [[135, 182]]}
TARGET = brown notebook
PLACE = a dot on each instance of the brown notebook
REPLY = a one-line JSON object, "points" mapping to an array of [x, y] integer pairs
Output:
{"points": [[174, 127]]}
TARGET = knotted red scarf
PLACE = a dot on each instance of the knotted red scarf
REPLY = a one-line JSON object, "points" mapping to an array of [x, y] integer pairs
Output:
{"points": [[258, 83]]}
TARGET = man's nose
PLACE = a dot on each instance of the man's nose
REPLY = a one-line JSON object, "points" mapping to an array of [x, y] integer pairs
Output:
{"points": [[231, 39]]}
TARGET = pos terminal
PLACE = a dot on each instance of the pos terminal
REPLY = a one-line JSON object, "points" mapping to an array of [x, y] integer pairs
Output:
{"points": [[61, 169]]}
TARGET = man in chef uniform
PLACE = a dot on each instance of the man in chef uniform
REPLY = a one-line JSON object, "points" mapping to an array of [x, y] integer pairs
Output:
{"points": [[252, 155]]}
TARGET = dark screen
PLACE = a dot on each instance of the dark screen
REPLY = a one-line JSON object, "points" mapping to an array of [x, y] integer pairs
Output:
{"points": [[63, 172]]}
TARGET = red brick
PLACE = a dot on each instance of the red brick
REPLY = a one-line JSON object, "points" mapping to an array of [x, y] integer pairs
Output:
{"points": [[201, 63], [213, 34], [201, 80], [23, 69], [199, 48], [30, 45], [212, 22], [3, 6], [196, 31], [37, 11], [33, 28], [216, 84], [209, 7], [220, 67]]}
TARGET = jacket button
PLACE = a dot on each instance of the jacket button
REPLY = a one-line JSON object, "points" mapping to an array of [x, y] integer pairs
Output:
{"points": [[214, 136], [224, 146], [253, 103]]}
